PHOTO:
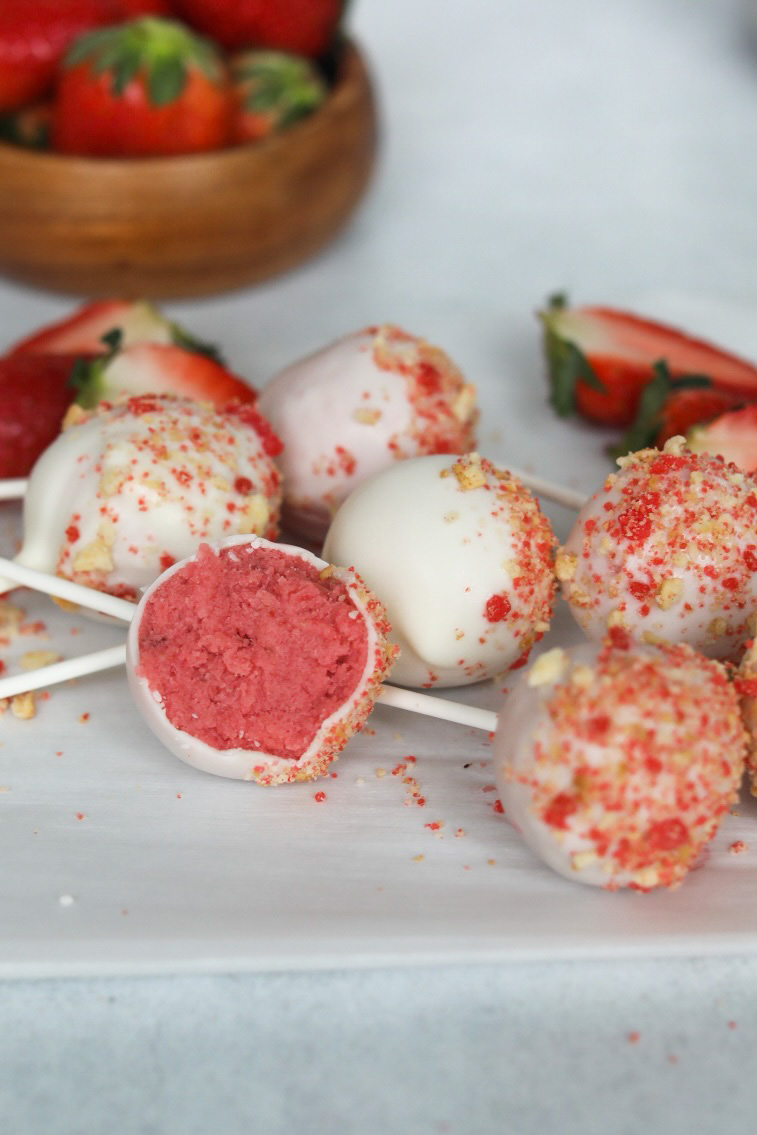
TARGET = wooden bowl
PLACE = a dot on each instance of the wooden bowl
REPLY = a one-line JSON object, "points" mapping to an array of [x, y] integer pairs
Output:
{"points": [[194, 225]]}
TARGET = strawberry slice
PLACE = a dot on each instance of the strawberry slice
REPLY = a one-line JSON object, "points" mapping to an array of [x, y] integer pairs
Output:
{"points": [[732, 436], [34, 394], [600, 359], [156, 368]]}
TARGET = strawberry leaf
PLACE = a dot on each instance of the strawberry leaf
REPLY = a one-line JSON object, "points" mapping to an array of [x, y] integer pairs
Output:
{"points": [[654, 397], [166, 79]]}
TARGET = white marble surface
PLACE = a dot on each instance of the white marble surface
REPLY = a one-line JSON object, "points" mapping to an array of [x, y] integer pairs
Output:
{"points": [[604, 148]]}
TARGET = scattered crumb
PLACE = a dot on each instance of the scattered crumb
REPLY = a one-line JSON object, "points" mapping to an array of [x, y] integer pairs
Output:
{"points": [[36, 659], [66, 900], [380, 772], [459, 833], [359, 780], [84, 718], [23, 706], [320, 797], [81, 815], [731, 1024], [498, 807], [737, 847], [491, 862], [418, 858], [634, 1037]]}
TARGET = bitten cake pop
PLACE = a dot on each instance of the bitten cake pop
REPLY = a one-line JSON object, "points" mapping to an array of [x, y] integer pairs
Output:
{"points": [[461, 555], [667, 550], [257, 661], [356, 407], [616, 765], [132, 487]]}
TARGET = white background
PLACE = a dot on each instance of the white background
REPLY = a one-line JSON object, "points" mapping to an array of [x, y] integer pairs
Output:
{"points": [[603, 148]]}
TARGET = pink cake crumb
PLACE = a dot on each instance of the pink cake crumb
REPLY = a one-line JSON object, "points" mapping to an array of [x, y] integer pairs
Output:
{"points": [[273, 643]]}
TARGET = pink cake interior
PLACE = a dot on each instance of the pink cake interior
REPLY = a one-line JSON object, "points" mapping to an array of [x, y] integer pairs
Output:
{"points": [[251, 648]]}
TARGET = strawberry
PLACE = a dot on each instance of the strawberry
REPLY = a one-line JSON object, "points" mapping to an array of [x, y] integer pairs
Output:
{"points": [[156, 368], [147, 87], [34, 396], [732, 436], [272, 89], [94, 355], [35, 33], [302, 27], [600, 360], [84, 332]]}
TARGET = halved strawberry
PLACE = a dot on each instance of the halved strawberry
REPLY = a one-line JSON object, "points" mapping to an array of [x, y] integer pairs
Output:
{"points": [[600, 360], [84, 332], [34, 396], [732, 436], [157, 368]]}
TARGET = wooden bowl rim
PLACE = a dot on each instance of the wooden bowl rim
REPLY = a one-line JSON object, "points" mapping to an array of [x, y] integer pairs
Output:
{"points": [[352, 74]]}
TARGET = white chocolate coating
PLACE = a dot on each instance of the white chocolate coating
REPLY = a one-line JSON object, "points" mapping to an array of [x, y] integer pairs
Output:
{"points": [[128, 489], [255, 764], [667, 550], [461, 556], [616, 765], [356, 407]]}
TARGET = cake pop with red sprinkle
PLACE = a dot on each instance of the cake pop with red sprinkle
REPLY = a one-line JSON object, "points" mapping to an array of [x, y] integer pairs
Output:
{"points": [[746, 684], [131, 487], [667, 551], [617, 763], [462, 556], [357, 406]]}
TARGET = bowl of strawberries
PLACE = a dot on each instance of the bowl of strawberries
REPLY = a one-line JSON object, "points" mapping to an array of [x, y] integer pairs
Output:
{"points": [[170, 148]]}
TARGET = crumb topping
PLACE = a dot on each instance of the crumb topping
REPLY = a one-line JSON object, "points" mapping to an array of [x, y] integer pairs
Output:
{"points": [[667, 550], [634, 763]]}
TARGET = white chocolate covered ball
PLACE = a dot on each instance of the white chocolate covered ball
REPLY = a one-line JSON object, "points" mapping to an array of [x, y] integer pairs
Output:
{"points": [[128, 489], [667, 551], [356, 407], [617, 764], [462, 557]]}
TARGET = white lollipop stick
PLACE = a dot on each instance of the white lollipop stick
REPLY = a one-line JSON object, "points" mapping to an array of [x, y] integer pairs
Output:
{"points": [[64, 589], [64, 671], [13, 488], [122, 609], [569, 498], [442, 708]]}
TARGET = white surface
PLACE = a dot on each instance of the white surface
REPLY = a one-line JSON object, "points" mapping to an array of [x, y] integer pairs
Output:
{"points": [[604, 148]]}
